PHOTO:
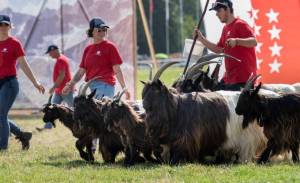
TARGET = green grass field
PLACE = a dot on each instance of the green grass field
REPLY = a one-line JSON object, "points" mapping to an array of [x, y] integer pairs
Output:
{"points": [[53, 158]]}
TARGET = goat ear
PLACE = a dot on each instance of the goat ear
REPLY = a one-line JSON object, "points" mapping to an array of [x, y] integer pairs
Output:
{"points": [[257, 89], [91, 95]]}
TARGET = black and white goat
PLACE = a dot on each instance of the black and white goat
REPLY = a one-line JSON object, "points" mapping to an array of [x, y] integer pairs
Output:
{"points": [[278, 115], [195, 118]]}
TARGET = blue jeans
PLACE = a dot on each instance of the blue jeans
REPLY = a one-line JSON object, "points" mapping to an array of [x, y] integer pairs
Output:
{"points": [[8, 94], [102, 89], [58, 99]]}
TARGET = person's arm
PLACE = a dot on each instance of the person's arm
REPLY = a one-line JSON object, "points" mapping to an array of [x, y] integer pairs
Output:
{"points": [[58, 81], [118, 72], [26, 69], [210, 45], [245, 42], [77, 77]]}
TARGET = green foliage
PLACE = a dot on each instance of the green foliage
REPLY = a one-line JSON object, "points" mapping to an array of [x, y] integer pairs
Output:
{"points": [[191, 12]]}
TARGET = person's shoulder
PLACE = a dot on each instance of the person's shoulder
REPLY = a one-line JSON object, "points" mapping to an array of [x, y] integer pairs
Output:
{"points": [[63, 58], [109, 43], [240, 22], [14, 40]]}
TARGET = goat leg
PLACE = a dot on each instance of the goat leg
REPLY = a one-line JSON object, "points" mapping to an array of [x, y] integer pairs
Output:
{"points": [[89, 148], [266, 153], [295, 152], [80, 146]]}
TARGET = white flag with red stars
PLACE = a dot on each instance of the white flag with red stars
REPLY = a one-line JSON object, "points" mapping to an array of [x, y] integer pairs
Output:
{"points": [[277, 32]]}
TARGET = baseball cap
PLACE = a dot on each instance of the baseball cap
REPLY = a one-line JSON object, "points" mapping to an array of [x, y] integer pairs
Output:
{"points": [[51, 47], [221, 4], [5, 19], [97, 23]]}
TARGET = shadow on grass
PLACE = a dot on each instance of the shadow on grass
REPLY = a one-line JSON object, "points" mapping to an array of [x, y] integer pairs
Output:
{"points": [[81, 163]]}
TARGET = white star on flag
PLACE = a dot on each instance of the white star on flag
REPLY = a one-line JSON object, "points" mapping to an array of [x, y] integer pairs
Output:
{"points": [[254, 13], [258, 47], [272, 16], [275, 49], [275, 66], [256, 30], [274, 32], [258, 62]]}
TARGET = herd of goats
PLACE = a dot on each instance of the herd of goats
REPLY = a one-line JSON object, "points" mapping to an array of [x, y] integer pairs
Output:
{"points": [[192, 121]]}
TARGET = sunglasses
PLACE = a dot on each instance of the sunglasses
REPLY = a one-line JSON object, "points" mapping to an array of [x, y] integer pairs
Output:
{"points": [[101, 29], [4, 24]]}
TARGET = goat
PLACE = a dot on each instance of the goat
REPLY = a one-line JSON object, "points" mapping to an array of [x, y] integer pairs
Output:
{"points": [[244, 143], [121, 118], [65, 116], [279, 116], [197, 80], [184, 122], [87, 111]]}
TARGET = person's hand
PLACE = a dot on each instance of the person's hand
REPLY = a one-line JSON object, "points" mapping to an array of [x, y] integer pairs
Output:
{"points": [[198, 33], [39, 87], [231, 42], [51, 90], [68, 87], [127, 94]]}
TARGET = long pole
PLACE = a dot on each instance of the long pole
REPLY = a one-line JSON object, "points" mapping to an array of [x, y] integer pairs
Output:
{"points": [[62, 26], [195, 38], [167, 26], [147, 32], [181, 21], [34, 25]]}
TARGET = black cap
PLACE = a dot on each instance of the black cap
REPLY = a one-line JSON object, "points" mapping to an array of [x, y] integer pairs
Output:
{"points": [[97, 23], [51, 47], [221, 4], [5, 19]]}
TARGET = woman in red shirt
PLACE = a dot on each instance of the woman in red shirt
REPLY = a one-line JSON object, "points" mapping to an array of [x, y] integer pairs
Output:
{"points": [[101, 58], [11, 52]]}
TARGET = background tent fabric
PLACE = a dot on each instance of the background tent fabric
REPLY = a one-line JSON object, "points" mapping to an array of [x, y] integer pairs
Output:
{"points": [[277, 34], [38, 24]]}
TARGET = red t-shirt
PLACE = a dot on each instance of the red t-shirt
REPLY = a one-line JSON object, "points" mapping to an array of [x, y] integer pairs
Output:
{"points": [[99, 59], [10, 50], [62, 63], [238, 72]]}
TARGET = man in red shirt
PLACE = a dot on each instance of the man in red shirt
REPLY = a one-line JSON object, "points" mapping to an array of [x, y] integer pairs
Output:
{"points": [[237, 40], [61, 75]]}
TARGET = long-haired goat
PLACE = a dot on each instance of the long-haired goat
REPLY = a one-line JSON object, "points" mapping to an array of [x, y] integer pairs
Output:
{"points": [[279, 116], [87, 110], [244, 143], [65, 116], [121, 118], [186, 123]]}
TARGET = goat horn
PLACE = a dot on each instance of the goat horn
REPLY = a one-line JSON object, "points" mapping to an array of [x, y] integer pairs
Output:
{"points": [[214, 55], [80, 89], [120, 95], [162, 69], [250, 81], [196, 67], [83, 92], [50, 98]]}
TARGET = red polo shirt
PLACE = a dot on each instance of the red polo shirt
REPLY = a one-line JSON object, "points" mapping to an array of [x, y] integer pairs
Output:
{"points": [[10, 51], [238, 72], [62, 63], [99, 59]]}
